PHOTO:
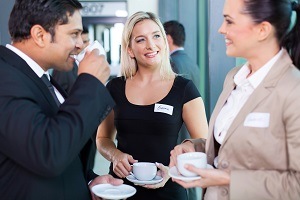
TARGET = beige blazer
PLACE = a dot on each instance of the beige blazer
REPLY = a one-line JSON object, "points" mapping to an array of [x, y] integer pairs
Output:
{"points": [[262, 146]]}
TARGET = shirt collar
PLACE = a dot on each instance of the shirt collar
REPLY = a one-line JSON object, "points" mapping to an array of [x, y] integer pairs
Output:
{"points": [[32, 64], [178, 49], [259, 75]]}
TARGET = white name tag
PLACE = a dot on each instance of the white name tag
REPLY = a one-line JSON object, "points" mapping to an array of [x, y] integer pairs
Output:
{"points": [[163, 108], [259, 120]]}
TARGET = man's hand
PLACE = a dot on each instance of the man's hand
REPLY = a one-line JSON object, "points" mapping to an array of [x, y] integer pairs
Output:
{"points": [[101, 180], [96, 65]]}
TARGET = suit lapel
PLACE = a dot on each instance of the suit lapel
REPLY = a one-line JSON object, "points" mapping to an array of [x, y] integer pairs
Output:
{"points": [[230, 85], [256, 97], [17, 62], [260, 93]]}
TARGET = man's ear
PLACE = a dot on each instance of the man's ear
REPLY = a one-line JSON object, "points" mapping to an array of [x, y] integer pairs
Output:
{"points": [[169, 39], [40, 36], [265, 29]]}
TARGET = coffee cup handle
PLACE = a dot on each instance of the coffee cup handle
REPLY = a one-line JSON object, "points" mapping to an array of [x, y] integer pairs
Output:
{"points": [[132, 175]]}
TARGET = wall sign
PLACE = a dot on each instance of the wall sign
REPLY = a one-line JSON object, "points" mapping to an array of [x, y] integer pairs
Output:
{"points": [[104, 9]]}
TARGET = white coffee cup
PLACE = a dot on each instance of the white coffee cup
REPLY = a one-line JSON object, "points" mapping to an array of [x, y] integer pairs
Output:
{"points": [[198, 159], [90, 47], [144, 171]]}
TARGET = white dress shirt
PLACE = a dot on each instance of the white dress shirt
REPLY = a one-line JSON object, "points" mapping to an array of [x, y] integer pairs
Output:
{"points": [[178, 49]]}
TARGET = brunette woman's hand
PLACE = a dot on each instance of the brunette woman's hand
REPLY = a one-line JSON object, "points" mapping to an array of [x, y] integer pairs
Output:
{"points": [[209, 177], [185, 147]]}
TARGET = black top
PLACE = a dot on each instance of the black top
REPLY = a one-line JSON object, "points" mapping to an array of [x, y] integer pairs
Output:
{"points": [[149, 132]]}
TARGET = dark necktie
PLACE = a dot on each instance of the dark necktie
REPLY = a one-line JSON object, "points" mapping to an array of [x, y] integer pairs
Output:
{"points": [[51, 88]]}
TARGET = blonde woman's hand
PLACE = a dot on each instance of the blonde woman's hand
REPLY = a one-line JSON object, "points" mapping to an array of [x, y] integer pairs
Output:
{"points": [[164, 173], [122, 164]]}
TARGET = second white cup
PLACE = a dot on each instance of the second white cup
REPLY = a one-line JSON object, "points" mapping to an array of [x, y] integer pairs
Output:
{"points": [[198, 159]]}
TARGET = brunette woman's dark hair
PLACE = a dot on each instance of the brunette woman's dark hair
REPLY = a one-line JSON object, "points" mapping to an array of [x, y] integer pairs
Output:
{"points": [[284, 15]]}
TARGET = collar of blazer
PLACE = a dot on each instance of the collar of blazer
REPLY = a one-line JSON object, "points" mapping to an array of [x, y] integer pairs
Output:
{"points": [[261, 92]]}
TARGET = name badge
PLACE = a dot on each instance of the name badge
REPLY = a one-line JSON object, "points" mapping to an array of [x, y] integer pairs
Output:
{"points": [[163, 108], [259, 120]]}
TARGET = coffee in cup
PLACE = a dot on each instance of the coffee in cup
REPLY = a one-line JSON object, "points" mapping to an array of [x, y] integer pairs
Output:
{"points": [[198, 159], [144, 171]]}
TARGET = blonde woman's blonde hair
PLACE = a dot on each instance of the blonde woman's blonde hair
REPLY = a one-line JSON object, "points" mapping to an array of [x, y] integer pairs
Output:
{"points": [[129, 65]]}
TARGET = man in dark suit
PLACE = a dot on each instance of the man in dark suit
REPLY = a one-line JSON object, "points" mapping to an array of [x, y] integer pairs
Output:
{"points": [[45, 147], [67, 79], [183, 65]]}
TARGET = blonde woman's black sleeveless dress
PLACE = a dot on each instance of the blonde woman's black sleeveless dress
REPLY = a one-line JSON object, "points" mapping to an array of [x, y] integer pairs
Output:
{"points": [[149, 132]]}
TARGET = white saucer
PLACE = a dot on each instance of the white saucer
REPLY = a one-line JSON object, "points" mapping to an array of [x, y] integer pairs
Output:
{"points": [[175, 174], [108, 191], [157, 179]]}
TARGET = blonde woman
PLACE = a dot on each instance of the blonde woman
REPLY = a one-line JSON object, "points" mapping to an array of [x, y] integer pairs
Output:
{"points": [[152, 103]]}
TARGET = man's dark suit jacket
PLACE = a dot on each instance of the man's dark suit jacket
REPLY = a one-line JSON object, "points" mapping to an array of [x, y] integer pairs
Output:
{"points": [[44, 150], [66, 80], [182, 64]]}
